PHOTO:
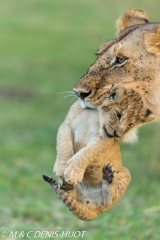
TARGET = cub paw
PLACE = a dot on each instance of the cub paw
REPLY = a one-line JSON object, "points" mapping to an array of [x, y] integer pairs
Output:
{"points": [[58, 169], [66, 186], [108, 172], [73, 174]]}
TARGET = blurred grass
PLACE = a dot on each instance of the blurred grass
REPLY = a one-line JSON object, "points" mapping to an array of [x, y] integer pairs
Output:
{"points": [[45, 47]]}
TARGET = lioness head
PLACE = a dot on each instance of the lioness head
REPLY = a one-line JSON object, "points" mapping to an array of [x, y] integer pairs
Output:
{"points": [[121, 113], [131, 58]]}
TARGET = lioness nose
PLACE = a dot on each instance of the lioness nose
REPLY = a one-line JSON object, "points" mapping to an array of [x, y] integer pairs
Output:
{"points": [[82, 95]]}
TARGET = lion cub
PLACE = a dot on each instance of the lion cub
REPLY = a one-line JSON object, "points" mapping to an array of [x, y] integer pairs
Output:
{"points": [[88, 164]]}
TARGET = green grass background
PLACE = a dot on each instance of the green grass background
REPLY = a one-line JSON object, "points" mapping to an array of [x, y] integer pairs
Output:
{"points": [[45, 47]]}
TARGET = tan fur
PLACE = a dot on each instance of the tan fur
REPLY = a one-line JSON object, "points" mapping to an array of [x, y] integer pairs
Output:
{"points": [[86, 145], [152, 42], [132, 17], [129, 105], [132, 58]]}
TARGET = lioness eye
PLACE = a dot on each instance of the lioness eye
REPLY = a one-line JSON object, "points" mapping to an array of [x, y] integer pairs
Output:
{"points": [[118, 115], [120, 60]]}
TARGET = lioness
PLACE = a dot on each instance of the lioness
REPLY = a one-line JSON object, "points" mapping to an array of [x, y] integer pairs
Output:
{"points": [[88, 152], [131, 58]]}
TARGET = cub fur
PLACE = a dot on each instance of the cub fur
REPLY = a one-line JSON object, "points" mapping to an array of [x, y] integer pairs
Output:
{"points": [[91, 176]]}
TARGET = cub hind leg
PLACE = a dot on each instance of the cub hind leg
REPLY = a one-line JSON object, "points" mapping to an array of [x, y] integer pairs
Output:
{"points": [[107, 178], [114, 184], [108, 172], [80, 210]]}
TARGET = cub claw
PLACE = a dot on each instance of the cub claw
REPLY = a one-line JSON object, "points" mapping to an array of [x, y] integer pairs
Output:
{"points": [[108, 172], [66, 186]]}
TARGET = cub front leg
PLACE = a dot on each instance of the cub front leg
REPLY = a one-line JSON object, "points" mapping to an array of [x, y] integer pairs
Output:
{"points": [[64, 149]]}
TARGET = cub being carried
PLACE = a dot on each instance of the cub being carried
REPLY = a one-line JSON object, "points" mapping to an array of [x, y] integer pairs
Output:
{"points": [[88, 165]]}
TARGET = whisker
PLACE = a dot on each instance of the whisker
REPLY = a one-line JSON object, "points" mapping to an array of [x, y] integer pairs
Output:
{"points": [[99, 38], [69, 94], [74, 96], [69, 103], [66, 92]]}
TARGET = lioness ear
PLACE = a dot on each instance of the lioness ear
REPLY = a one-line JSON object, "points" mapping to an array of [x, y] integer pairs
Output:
{"points": [[152, 42], [132, 17]]}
